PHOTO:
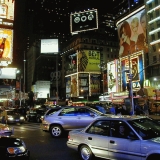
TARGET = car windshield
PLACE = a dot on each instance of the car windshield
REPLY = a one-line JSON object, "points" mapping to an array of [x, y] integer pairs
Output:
{"points": [[146, 128]]}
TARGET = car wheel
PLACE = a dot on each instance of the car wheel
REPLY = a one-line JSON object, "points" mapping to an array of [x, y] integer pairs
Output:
{"points": [[56, 131], [155, 157], [86, 153]]}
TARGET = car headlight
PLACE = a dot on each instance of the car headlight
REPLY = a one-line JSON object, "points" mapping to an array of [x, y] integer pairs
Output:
{"points": [[10, 117], [21, 117], [6, 129], [16, 150]]}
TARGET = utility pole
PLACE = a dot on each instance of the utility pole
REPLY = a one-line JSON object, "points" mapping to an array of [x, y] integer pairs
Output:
{"points": [[130, 84]]}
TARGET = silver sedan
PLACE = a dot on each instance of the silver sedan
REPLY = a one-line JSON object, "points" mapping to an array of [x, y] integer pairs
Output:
{"points": [[129, 138]]}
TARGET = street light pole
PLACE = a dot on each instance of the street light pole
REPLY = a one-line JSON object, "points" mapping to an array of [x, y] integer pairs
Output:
{"points": [[24, 78], [130, 84]]}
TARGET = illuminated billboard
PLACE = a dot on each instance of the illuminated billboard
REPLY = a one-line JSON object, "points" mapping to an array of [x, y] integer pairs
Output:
{"points": [[88, 61], [95, 80], [8, 73], [6, 46], [132, 33], [49, 45], [7, 12], [137, 71], [68, 87], [74, 86], [112, 76], [83, 21], [83, 84]]}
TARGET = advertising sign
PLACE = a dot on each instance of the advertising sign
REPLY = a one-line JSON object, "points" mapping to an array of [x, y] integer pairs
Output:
{"points": [[49, 45], [7, 13], [132, 34], [6, 46], [95, 80], [68, 87], [74, 86], [8, 73], [88, 61], [137, 71], [83, 21], [83, 84], [112, 76]]}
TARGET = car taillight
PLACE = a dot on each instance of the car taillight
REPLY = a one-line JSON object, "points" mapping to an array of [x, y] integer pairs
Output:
{"points": [[68, 136]]}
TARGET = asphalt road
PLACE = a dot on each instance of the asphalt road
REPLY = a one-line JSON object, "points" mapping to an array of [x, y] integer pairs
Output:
{"points": [[41, 145]]}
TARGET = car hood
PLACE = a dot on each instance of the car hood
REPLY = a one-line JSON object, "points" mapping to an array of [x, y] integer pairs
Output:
{"points": [[10, 141]]}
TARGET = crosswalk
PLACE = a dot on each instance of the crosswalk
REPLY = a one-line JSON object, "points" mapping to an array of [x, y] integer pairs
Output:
{"points": [[26, 126]]}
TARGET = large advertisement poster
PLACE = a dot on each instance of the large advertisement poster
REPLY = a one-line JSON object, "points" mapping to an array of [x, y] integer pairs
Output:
{"points": [[68, 87], [83, 84], [49, 45], [6, 48], [8, 73], [74, 86], [137, 71], [112, 76], [7, 9], [95, 80], [88, 61], [132, 34], [82, 21]]}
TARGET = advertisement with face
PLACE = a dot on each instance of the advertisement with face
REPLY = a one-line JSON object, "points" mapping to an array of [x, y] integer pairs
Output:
{"points": [[83, 84], [112, 76], [95, 84], [132, 34], [88, 61], [137, 71], [6, 42]]}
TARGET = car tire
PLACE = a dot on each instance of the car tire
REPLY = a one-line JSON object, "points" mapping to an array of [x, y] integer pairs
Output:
{"points": [[86, 153], [155, 157], [56, 131]]}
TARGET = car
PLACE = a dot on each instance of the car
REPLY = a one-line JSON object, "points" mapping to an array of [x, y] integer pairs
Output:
{"points": [[6, 130], [35, 115], [118, 137], [68, 118], [10, 116], [13, 148]]}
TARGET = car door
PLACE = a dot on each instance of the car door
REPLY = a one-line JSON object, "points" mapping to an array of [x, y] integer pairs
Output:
{"points": [[68, 118], [97, 138], [123, 148], [85, 117]]}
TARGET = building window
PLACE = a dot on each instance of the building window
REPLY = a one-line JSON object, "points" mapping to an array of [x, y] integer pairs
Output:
{"points": [[85, 46], [152, 26], [108, 55], [157, 12], [154, 59], [156, 2], [108, 49], [94, 41], [151, 16], [158, 24], [153, 37], [150, 5], [159, 35], [91, 47]]}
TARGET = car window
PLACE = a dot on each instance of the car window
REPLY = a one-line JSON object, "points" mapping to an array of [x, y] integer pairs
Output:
{"points": [[146, 128], [120, 129], [99, 127], [68, 112]]}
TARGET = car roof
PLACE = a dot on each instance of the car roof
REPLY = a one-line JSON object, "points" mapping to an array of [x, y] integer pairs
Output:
{"points": [[121, 117]]}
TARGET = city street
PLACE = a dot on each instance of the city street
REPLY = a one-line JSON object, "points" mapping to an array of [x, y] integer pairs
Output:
{"points": [[41, 145]]}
